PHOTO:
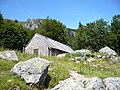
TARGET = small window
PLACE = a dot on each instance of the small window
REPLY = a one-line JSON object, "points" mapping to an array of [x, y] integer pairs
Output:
{"points": [[36, 51]]}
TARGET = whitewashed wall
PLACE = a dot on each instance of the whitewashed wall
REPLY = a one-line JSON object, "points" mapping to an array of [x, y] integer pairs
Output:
{"points": [[37, 43]]}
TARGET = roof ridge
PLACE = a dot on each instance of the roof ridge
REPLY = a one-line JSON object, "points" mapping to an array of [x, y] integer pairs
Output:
{"points": [[55, 44]]}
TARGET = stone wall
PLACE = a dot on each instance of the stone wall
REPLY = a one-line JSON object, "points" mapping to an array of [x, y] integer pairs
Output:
{"points": [[37, 43]]}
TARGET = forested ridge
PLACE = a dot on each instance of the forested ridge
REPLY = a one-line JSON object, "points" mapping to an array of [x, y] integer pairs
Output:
{"points": [[93, 35]]}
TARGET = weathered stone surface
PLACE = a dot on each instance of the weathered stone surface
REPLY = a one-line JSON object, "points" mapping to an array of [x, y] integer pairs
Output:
{"points": [[78, 58], [69, 84], [83, 51], [107, 50], [61, 55], [114, 58], [10, 55], [79, 82], [33, 70], [111, 54], [112, 83], [33, 24], [94, 83]]}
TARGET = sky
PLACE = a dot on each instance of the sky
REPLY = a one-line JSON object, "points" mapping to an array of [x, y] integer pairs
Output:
{"points": [[68, 12]]}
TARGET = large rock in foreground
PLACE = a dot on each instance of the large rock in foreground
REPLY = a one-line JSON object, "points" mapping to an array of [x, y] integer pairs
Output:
{"points": [[79, 82], [69, 84], [10, 55], [94, 83], [112, 83], [33, 70]]}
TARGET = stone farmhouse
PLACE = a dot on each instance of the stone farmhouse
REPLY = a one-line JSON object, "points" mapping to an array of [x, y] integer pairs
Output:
{"points": [[44, 46]]}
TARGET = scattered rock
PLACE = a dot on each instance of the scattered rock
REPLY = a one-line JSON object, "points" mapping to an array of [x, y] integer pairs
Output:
{"points": [[83, 51], [94, 65], [72, 59], [77, 62], [99, 56], [69, 84], [84, 62], [79, 82], [91, 59], [15, 88], [83, 58], [111, 54], [61, 55], [103, 57], [114, 58], [10, 80], [112, 83], [78, 58], [94, 83], [32, 71], [107, 50], [10, 55]]}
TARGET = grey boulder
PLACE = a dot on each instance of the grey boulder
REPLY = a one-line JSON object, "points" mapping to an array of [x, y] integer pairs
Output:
{"points": [[91, 59], [10, 55], [69, 84], [94, 83], [111, 53], [61, 55], [83, 51], [112, 83], [33, 70], [114, 58], [107, 50]]}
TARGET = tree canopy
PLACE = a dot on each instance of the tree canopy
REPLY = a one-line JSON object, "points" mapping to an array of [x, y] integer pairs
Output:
{"points": [[93, 35], [53, 29]]}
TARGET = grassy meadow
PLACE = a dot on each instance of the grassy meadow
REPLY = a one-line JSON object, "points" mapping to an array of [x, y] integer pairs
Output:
{"points": [[58, 71]]}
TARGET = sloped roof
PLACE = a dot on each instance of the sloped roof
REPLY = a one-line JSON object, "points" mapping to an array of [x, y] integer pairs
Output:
{"points": [[54, 44]]}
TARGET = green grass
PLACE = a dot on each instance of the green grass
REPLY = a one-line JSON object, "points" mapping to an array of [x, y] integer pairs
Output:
{"points": [[58, 71], [8, 81]]}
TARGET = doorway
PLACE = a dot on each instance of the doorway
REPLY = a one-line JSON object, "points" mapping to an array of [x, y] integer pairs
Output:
{"points": [[36, 51]]}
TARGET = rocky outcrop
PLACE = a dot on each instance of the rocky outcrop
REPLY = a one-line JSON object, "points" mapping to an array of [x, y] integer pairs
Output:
{"points": [[10, 55], [32, 71], [79, 82], [33, 24]]}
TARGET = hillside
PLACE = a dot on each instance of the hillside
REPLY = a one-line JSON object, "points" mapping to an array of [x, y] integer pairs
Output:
{"points": [[58, 71], [35, 24]]}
